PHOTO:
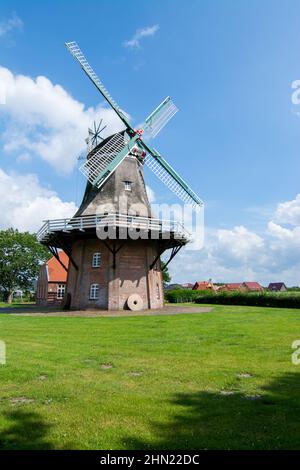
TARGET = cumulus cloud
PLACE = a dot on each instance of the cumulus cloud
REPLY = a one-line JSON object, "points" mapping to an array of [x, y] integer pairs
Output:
{"points": [[43, 120], [135, 41], [239, 254], [14, 22], [239, 243], [289, 212], [24, 203]]}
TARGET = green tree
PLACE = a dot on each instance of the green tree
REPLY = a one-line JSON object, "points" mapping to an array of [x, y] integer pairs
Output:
{"points": [[20, 257], [165, 272]]}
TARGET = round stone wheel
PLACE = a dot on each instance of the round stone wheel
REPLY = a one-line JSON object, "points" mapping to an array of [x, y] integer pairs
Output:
{"points": [[135, 302]]}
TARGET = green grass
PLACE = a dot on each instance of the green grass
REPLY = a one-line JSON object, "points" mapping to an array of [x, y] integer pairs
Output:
{"points": [[16, 303], [173, 383]]}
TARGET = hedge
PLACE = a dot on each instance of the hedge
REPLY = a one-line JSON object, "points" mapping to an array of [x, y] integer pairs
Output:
{"points": [[235, 298], [252, 299], [184, 295]]}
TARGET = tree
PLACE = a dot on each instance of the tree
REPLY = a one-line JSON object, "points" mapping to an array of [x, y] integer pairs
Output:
{"points": [[20, 257], [165, 272]]}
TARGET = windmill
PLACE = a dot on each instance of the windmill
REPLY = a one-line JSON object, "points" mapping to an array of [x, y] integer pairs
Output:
{"points": [[98, 168], [94, 135], [130, 274]]}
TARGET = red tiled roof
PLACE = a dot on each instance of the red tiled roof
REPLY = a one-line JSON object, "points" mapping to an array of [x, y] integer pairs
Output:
{"points": [[203, 285], [253, 285], [234, 285], [56, 273]]}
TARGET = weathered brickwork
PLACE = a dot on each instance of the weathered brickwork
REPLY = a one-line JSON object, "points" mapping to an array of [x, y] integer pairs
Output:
{"points": [[131, 275]]}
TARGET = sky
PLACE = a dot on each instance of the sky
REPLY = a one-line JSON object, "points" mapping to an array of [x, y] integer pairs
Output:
{"points": [[230, 66]]}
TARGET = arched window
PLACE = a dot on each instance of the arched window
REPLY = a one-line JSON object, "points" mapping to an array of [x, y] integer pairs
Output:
{"points": [[96, 263], [94, 291]]}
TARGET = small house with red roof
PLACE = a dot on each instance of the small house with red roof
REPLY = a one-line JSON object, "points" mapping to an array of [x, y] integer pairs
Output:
{"points": [[51, 284], [233, 286], [253, 286], [243, 287], [204, 285]]}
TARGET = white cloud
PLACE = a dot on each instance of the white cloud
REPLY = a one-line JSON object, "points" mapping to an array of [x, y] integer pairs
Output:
{"points": [[9, 25], [150, 194], [239, 254], [24, 203], [24, 157], [289, 212], [239, 243], [284, 246], [280, 232], [135, 41], [42, 119]]}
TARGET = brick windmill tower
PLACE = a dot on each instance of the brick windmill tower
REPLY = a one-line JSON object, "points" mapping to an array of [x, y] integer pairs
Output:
{"points": [[114, 242]]}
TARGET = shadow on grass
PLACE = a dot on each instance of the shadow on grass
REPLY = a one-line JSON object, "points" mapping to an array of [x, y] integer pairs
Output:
{"points": [[30, 308], [26, 430], [204, 420]]}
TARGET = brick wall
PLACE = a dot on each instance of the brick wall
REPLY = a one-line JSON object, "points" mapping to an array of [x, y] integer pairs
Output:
{"points": [[131, 275]]}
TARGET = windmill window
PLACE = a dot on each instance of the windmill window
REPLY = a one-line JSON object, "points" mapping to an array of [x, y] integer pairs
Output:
{"points": [[96, 263], [94, 292], [61, 291], [128, 185]]}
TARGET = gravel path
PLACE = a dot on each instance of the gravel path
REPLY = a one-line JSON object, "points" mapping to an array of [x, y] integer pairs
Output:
{"points": [[35, 311]]}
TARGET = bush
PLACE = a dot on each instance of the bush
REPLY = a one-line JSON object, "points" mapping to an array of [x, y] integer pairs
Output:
{"points": [[251, 299], [266, 299], [183, 295]]}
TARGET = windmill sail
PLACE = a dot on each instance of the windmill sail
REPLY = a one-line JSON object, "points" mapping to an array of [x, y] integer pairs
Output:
{"points": [[79, 56], [171, 179], [105, 161], [160, 117]]}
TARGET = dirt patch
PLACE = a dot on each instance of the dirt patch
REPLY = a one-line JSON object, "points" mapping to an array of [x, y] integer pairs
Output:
{"points": [[244, 376], [16, 401], [48, 401], [106, 366], [227, 392], [43, 377], [253, 397], [135, 373]]}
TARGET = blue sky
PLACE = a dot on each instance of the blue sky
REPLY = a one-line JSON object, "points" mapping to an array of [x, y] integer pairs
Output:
{"points": [[228, 65]]}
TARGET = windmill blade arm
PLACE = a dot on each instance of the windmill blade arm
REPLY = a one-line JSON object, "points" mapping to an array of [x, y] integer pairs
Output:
{"points": [[170, 177], [160, 117], [100, 166], [76, 52]]}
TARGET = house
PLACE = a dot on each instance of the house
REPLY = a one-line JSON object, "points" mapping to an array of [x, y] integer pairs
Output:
{"points": [[243, 287], [233, 286], [277, 287], [18, 294], [188, 285], [204, 285], [52, 280], [253, 287]]}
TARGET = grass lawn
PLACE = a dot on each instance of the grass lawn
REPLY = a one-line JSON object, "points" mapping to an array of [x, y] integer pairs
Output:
{"points": [[15, 304], [218, 380]]}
